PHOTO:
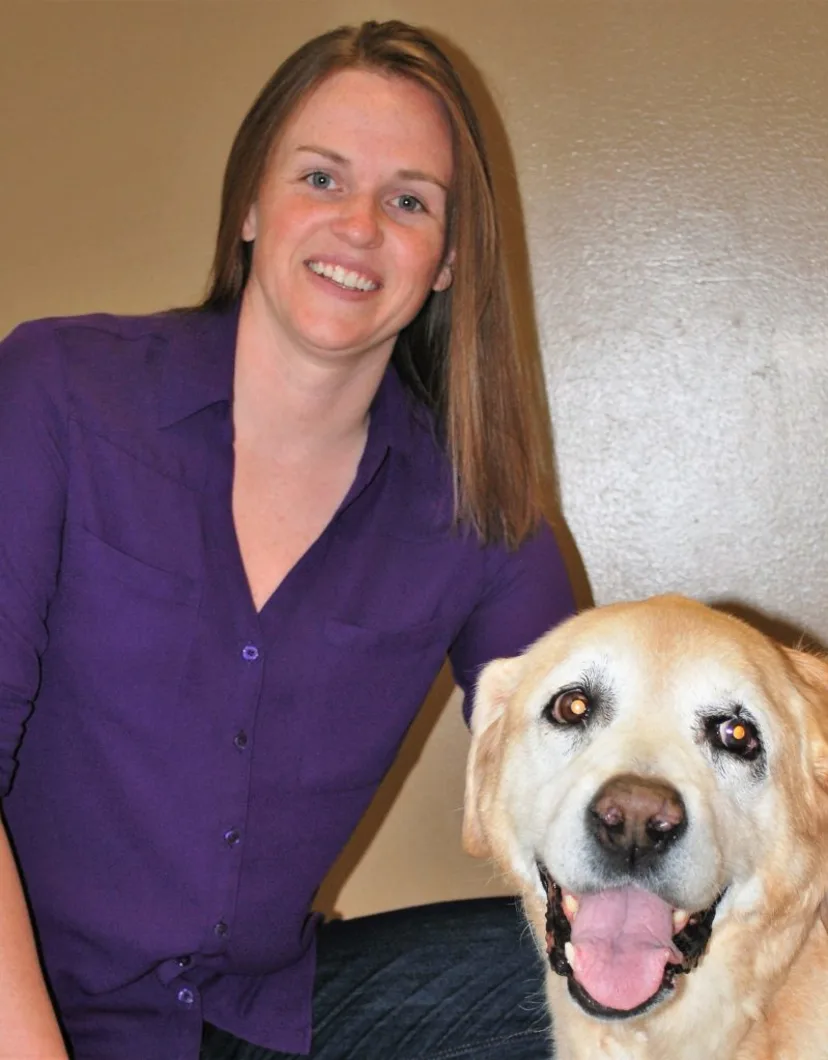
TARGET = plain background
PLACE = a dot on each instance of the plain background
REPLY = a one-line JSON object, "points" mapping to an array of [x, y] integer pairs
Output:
{"points": [[664, 173]]}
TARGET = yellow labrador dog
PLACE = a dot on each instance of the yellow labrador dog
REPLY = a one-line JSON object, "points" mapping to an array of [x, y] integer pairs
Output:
{"points": [[653, 778]]}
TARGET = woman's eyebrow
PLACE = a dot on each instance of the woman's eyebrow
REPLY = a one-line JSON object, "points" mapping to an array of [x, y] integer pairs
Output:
{"points": [[325, 152], [419, 174]]}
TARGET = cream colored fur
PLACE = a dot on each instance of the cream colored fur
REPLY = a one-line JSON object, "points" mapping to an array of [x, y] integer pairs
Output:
{"points": [[759, 834]]}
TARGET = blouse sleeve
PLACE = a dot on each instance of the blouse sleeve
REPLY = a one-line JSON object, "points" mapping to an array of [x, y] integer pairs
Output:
{"points": [[526, 594], [32, 502]]}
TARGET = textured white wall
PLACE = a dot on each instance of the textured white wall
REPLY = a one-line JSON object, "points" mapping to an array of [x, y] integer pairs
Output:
{"points": [[677, 210]]}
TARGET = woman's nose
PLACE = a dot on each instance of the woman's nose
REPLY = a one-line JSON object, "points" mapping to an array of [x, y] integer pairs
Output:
{"points": [[358, 221]]}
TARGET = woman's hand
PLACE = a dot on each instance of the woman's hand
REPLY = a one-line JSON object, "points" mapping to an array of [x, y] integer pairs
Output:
{"points": [[29, 1026]]}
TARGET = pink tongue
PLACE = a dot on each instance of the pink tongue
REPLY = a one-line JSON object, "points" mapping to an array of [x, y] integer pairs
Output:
{"points": [[623, 941]]}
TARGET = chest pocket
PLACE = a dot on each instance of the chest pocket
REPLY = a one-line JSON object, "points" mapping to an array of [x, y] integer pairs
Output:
{"points": [[362, 698], [102, 568], [122, 626]]}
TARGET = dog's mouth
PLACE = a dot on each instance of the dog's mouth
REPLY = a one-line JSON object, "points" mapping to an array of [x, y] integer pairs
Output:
{"points": [[621, 949]]}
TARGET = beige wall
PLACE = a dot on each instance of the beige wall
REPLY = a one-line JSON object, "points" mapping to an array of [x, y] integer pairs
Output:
{"points": [[672, 160]]}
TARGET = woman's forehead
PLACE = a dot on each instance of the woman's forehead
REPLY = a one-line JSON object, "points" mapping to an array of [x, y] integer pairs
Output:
{"points": [[357, 111]]}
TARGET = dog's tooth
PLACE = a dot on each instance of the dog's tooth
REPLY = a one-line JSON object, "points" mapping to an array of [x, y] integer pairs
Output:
{"points": [[570, 904], [569, 953], [680, 918]]}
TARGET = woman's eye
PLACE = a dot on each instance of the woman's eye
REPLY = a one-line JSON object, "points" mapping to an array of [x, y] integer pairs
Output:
{"points": [[319, 179], [409, 203], [568, 708], [736, 735]]}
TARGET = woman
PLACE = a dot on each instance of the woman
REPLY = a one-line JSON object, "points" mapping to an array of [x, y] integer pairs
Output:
{"points": [[236, 544]]}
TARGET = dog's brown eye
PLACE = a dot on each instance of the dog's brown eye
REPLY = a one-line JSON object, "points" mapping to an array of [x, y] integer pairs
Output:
{"points": [[569, 708], [738, 735]]}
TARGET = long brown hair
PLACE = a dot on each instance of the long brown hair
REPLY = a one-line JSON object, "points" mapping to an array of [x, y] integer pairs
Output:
{"points": [[459, 355]]}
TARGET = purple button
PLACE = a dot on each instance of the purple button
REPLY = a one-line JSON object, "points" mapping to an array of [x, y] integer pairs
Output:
{"points": [[250, 653], [232, 836], [240, 739], [221, 929], [186, 996]]}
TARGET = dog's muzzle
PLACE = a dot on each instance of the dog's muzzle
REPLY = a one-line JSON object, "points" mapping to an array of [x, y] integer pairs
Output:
{"points": [[629, 946]]}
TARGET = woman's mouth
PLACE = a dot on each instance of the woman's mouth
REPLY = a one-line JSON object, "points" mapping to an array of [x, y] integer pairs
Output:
{"points": [[348, 279]]}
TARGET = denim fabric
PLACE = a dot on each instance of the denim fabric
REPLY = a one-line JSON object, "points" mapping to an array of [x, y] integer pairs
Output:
{"points": [[451, 981]]}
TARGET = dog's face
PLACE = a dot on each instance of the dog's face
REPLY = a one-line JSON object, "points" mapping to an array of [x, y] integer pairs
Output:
{"points": [[646, 773]]}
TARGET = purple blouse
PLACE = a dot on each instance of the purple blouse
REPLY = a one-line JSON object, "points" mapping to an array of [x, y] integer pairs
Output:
{"points": [[179, 771]]}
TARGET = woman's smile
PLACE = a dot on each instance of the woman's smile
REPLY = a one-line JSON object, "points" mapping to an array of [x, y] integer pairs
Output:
{"points": [[341, 276]]}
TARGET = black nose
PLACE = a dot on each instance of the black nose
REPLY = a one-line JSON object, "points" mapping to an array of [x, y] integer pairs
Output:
{"points": [[636, 820]]}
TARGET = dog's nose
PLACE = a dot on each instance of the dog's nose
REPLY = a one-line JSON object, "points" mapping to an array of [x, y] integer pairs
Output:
{"points": [[636, 819]]}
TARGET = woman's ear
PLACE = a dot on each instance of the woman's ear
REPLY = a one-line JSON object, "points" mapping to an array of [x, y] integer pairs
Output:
{"points": [[445, 275], [251, 224]]}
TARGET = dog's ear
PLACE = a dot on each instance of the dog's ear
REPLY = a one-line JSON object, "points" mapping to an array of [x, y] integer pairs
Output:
{"points": [[812, 676], [495, 686]]}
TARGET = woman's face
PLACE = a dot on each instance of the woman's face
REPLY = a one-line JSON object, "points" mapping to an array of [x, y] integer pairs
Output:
{"points": [[349, 224]]}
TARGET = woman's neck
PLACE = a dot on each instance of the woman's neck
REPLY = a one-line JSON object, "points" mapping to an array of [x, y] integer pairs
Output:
{"points": [[297, 402]]}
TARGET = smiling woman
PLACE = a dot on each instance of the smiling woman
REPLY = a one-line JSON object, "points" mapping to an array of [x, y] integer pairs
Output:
{"points": [[351, 207], [348, 236], [244, 538]]}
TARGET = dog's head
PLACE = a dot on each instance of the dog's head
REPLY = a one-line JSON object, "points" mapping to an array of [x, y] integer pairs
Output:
{"points": [[643, 774]]}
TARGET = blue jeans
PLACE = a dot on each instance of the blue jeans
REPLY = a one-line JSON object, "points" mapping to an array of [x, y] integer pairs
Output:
{"points": [[451, 981]]}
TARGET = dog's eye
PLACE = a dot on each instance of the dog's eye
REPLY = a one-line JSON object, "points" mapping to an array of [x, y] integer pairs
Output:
{"points": [[736, 735], [568, 708]]}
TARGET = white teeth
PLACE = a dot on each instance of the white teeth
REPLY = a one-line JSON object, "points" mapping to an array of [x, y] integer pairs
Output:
{"points": [[352, 280], [569, 953], [570, 904], [680, 918]]}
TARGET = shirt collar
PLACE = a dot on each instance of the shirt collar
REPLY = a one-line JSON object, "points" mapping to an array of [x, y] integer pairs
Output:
{"points": [[197, 366], [394, 414], [197, 371]]}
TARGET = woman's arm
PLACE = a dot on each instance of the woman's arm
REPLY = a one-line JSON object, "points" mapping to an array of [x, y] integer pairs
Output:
{"points": [[28, 1027], [527, 592], [33, 492]]}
